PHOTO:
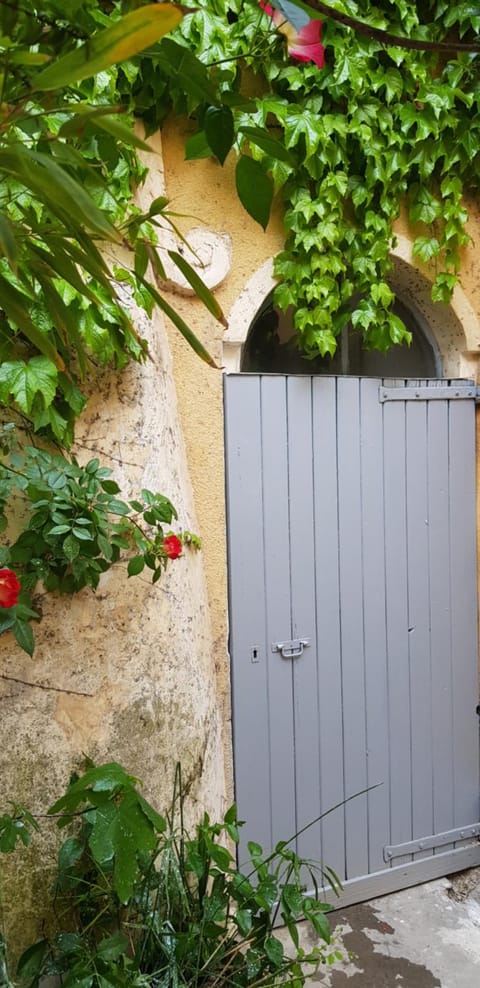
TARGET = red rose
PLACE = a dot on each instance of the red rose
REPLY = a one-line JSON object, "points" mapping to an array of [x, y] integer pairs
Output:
{"points": [[172, 546], [9, 588]]}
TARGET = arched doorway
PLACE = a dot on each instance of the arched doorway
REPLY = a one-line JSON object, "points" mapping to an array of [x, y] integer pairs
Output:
{"points": [[352, 564], [270, 348]]}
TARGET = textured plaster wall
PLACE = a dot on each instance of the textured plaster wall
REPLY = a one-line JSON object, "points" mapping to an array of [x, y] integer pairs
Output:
{"points": [[126, 673]]}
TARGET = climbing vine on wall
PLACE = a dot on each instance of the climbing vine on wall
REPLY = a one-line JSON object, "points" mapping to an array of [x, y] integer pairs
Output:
{"points": [[346, 145]]}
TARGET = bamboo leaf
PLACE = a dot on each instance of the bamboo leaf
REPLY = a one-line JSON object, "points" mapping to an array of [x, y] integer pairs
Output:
{"points": [[64, 320], [13, 303], [62, 267], [128, 36], [8, 244], [181, 325], [106, 119], [121, 133], [61, 193], [199, 286]]}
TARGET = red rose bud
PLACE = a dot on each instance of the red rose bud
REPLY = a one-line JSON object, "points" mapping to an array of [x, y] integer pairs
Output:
{"points": [[172, 546], [9, 588]]}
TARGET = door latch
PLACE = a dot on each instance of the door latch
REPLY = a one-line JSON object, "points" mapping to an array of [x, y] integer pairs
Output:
{"points": [[292, 649]]}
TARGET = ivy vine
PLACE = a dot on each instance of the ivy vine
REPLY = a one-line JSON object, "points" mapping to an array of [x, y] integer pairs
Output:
{"points": [[345, 146]]}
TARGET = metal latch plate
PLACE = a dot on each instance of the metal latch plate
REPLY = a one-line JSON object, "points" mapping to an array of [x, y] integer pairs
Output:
{"points": [[291, 649]]}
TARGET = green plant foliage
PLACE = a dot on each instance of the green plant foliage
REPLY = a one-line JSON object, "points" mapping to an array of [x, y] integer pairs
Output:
{"points": [[148, 903], [66, 196], [77, 528], [16, 827], [344, 146]]}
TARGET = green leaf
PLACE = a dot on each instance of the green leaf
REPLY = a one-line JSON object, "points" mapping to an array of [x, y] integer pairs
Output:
{"points": [[219, 130], [243, 919], [118, 507], [274, 950], [54, 186], [199, 287], [30, 964], [231, 814], [109, 779], [26, 381], [110, 486], [426, 248], [24, 636], [120, 131], [272, 147], [8, 243], [117, 43], [136, 565], [156, 820], [112, 947], [426, 208], [71, 548], [70, 852], [181, 325], [15, 306], [197, 146], [187, 71], [255, 189]]}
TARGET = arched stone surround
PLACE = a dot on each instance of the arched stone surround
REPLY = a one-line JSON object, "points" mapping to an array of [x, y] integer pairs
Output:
{"points": [[455, 327]]}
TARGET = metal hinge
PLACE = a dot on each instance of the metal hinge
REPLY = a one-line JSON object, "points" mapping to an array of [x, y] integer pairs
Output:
{"points": [[428, 843], [292, 649], [427, 393]]}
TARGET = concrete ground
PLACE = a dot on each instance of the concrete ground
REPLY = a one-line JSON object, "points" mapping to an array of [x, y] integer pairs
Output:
{"points": [[424, 937]]}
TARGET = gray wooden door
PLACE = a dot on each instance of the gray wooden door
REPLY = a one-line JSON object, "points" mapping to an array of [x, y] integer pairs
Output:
{"points": [[351, 524]]}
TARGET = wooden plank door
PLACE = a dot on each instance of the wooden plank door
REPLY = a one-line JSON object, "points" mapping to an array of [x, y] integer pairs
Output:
{"points": [[351, 526]]}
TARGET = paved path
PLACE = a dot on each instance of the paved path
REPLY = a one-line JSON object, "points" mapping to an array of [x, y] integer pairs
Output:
{"points": [[425, 937]]}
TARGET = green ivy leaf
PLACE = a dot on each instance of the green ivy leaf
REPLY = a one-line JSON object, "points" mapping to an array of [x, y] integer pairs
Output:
{"points": [[25, 381]]}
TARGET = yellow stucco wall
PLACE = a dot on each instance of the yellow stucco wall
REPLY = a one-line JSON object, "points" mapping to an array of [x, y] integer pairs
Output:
{"points": [[199, 387]]}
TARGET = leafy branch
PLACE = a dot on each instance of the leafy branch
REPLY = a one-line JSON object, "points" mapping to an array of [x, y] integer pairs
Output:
{"points": [[67, 190], [385, 37], [77, 528], [345, 143], [151, 902]]}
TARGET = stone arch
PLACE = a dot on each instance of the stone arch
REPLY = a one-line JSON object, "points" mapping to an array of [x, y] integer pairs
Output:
{"points": [[455, 327]]}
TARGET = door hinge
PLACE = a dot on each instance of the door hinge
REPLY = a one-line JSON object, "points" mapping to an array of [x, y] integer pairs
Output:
{"points": [[292, 649], [434, 841], [455, 392]]}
